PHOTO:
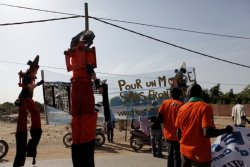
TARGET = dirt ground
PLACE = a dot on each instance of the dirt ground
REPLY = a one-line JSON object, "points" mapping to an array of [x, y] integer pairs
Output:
{"points": [[51, 143]]}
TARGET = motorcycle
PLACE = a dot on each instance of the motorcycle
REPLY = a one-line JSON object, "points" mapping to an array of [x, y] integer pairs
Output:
{"points": [[4, 148], [99, 139], [139, 139]]}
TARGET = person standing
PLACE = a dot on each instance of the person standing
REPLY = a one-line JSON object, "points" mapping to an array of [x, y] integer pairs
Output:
{"points": [[156, 133], [110, 128], [81, 59], [167, 114], [195, 128], [144, 123], [26, 104], [239, 114]]}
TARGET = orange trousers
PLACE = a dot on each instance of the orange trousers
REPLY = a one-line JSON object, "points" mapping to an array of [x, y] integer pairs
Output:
{"points": [[28, 105], [84, 117]]}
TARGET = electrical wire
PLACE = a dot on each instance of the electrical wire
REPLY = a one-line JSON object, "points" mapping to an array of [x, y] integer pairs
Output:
{"points": [[171, 44], [176, 29], [216, 83], [174, 45], [60, 68], [12, 62], [35, 9], [130, 22], [39, 21], [101, 20]]}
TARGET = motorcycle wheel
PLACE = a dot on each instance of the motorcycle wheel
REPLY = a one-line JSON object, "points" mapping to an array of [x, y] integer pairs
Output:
{"points": [[99, 139], [67, 140], [136, 143], [4, 148]]}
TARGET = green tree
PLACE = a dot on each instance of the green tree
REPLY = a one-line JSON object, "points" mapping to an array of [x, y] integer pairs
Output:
{"points": [[245, 94], [228, 97], [8, 108], [116, 101], [132, 98], [205, 95], [215, 94]]}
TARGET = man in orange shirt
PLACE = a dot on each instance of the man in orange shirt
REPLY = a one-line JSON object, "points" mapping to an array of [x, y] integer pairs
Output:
{"points": [[167, 115], [195, 128], [81, 60]]}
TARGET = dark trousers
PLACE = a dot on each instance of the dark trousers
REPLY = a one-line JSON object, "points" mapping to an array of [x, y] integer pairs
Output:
{"points": [[174, 155], [186, 162], [83, 154], [156, 141], [110, 134]]}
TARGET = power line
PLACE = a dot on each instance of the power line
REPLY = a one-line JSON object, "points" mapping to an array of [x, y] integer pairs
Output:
{"points": [[180, 47], [177, 29], [130, 22], [39, 21], [174, 45], [215, 83], [61, 68], [41, 10], [12, 62]]}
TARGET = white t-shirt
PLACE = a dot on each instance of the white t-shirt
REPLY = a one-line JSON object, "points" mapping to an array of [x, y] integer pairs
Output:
{"points": [[237, 112]]}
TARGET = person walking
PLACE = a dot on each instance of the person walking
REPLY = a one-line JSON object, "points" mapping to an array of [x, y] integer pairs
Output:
{"points": [[110, 128], [81, 60], [195, 128], [239, 114], [167, 114], [27, 105]]}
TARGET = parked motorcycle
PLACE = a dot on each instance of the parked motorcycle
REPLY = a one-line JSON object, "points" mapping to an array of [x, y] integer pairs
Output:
{"points": [[4, 148], [138, 139], [99, 139]]}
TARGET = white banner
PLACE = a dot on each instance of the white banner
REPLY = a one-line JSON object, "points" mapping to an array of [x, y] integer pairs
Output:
{"points": [[130, 95], [232, 150], [148, 86]]}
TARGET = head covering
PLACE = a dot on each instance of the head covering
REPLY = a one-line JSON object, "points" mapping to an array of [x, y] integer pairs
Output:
{"points": [[34, 64], [86, 36]]}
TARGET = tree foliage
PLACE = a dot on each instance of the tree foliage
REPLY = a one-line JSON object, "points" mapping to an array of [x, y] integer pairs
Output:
{"points": [[213, 95], [10, 108]]}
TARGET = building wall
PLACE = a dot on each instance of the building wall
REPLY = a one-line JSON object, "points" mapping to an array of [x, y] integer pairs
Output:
{"points": [[226, 109]]}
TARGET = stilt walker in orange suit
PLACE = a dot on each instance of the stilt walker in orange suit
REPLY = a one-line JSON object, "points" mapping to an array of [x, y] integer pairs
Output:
{"points": [[26, 104], [81, 60]]}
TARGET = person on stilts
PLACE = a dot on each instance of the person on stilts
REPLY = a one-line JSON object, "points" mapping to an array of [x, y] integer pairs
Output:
{"points": [[26, 104], [81, 60]]}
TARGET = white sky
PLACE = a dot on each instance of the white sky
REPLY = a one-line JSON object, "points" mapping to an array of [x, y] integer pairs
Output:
{"points": [[122, 52]]}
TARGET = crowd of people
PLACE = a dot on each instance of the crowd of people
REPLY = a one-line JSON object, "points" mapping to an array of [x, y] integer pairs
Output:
{"points": [[187, 127]]}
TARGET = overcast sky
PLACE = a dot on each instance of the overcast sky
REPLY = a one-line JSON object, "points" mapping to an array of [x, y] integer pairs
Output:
{"points": [[123, 52]]}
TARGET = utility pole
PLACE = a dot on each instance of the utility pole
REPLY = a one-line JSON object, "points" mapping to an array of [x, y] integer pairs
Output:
{"points": [[86, 16]]}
